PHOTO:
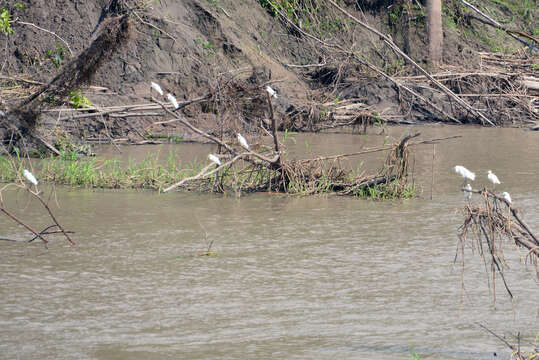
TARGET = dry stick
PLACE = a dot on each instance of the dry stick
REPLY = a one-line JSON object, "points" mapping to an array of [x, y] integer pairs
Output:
{"points": [[178, 117], [397, 50], [203, 174], [497, 336], [496, 24], [273, 126], [491, 243], [52, 216], [14, 218], [533, 248], [47, 31], [380, 148], [432, 169], [153, 26]]}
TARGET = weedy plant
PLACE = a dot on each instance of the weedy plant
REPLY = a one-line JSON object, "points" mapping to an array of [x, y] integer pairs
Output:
{"points": [[78, 100], [5, 26], [56, 56]]}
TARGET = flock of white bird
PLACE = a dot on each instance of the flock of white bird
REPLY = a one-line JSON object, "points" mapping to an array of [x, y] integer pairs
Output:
{"points": [[468, 175], [155, 86]]}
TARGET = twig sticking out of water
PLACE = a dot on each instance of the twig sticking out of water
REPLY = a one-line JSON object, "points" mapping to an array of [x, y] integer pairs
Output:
{"points": [[47, 230], [517, 353]]}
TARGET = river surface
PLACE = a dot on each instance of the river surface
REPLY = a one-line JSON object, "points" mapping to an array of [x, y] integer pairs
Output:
{"points": [[292, 278]]}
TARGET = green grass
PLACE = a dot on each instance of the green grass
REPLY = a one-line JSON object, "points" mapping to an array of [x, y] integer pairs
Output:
{"points": [[154, 174], [113, 174], [391, 191], [176, 139]]}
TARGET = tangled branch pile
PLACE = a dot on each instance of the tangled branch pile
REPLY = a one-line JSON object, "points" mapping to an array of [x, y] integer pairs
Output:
{"points": [[262, 168], [489, 226]]}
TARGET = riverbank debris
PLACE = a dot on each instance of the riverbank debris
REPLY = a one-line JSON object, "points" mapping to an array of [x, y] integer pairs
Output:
{"points": [[490, 224], [257, 168]]}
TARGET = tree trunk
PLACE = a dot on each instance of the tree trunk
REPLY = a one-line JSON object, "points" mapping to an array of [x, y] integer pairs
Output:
{"points": [[434, 23]]}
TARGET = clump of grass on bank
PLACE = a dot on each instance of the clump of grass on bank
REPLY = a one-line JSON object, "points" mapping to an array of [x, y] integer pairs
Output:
{"points": [[109, 174], [156, 175]]}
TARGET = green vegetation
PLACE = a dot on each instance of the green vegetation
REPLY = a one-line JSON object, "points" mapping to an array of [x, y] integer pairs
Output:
{"points": [[175, 139], [78, 100], [150, 173], [313, 17], [56, 56], [207, 46], [413, 356], [113, 174], [392, 190], [5, 26]]}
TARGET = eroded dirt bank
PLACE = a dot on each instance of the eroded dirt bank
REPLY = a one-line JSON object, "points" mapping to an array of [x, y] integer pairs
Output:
{"points": [[327, 70]]}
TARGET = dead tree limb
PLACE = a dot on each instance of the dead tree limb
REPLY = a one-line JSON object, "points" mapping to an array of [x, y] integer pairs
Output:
{"points": [[52, 216], [20, 222], [490, 21]]}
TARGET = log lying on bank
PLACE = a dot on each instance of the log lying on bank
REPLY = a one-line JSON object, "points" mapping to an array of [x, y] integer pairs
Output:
{"points": [[21, 119], [488, 226]]}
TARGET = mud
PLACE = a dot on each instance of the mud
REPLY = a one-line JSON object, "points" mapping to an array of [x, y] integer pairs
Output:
{"points": [[231, 49]]}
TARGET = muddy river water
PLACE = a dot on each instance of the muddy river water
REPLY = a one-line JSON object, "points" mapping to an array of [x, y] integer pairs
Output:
{"points": [[293, 278]]}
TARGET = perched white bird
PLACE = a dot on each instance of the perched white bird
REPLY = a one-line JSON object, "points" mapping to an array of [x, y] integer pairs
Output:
{"points": [[271, 91], [468, 194], [30, 177], [493, 178], [506, 196], [214, 159], [173, 101], [243, 142], [157, 88], [465, 173]]}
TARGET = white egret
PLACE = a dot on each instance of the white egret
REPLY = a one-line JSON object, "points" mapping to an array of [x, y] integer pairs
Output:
{"points": [[173, 101], [214, 159], [157, 88], [272, 92], [243, 142], [30, 177], [493, 178], [506, 196], [465, 173], [467, 193]]}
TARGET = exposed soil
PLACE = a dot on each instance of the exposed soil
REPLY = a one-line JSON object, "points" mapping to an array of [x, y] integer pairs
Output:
{"points": [[229, 50]]}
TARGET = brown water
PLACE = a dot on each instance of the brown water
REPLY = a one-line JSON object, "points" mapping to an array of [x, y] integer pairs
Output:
{"points": [[296, 278]]}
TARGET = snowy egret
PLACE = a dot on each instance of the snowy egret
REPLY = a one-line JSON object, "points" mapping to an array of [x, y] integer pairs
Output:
{"points": [[214, 159], [243, 142], [507, 197], [173, 101], [465, 173], [30, 177], [157, 88], [467, 193], [493, 178], [271, 91]]}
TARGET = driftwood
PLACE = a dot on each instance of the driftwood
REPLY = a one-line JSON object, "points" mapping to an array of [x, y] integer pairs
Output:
{"points": [[47, 230], [488, 225]]}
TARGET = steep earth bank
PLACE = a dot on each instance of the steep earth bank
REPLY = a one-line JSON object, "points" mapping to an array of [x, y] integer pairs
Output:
{"points": [[323, 65]]}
